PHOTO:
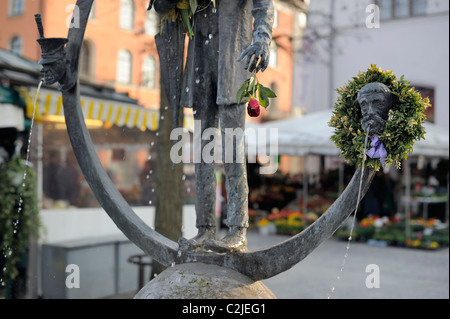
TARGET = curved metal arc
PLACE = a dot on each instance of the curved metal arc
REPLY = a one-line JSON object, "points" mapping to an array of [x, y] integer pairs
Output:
{"points": [[150, 241], [265, 263], [258, 265]]}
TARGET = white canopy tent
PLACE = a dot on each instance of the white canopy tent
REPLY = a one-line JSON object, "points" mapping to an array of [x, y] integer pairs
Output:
{"points": [[305, 135], [310, 135]]}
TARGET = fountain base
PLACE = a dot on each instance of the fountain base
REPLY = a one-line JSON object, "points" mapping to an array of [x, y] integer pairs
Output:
{"points": [[203, 281]]}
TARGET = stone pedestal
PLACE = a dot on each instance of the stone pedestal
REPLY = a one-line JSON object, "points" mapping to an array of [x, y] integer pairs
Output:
{"points": [[203, 281]]}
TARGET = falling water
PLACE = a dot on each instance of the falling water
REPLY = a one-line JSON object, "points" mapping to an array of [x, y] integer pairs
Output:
{"points": [[341, 270], [32, 118], [19, 209]]}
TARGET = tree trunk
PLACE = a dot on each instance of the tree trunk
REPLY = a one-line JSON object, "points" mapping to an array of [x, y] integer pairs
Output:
{"points": [[169, 192]]}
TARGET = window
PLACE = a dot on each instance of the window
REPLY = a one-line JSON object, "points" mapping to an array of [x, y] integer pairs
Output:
{"points": [[87, 58], [123, 152], [126, 14], [273, 62], [385, 9], [151, 23], [16, 7], [401, 8], [149, 72], [419, 7], [16, 46], [394, 9], [124, 64]]}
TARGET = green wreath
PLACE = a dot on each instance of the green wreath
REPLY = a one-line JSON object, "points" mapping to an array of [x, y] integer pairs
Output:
{"points": [[403, 127]]}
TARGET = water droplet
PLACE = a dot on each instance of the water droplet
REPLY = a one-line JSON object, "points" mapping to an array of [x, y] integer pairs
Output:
{"points": [[150, 171], [214, 10], [188, 189], [197, 81], [149, 202], [166, 107], [152, 143], [157, 134], [206, 42], [196, 69], [179, 253], [153, 190], [172, 264], [210, 36], [147, 176], [162, 117], [184, 177]]}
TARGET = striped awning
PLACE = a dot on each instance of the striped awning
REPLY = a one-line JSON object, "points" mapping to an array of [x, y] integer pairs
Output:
{"points": [[121, 114]]}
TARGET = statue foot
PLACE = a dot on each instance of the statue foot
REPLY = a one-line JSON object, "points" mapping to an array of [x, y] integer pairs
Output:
{"points": [[204, 234], [235, 240]]}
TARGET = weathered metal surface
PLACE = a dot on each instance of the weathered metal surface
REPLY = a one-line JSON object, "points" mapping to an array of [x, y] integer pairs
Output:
{"points": [[257, 265]]}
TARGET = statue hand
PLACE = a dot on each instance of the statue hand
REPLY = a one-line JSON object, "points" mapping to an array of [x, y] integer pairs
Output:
{"points": [[257, 55]]}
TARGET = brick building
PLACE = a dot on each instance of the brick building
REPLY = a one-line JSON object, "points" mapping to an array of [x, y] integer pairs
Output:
{"points": [[119, 48]]}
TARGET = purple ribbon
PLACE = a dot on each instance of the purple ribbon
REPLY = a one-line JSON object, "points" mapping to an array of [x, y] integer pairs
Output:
{"points": [[377, 150]]}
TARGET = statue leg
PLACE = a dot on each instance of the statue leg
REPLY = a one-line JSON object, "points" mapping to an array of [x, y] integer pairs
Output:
{"points": [[232, 122], [205, 179]]}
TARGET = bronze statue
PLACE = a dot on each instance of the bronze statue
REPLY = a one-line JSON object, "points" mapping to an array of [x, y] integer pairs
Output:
{"points": [[223, 35], [230, 252]]}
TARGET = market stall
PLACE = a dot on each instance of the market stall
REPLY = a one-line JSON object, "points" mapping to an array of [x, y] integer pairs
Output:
{"points": [[310, 135]]}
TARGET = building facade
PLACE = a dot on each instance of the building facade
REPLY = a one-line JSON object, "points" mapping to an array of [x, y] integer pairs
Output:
{"points": [[343, 37], [119, 48]]}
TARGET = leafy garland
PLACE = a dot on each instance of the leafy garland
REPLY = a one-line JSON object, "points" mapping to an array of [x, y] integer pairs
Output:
{"points": [[403, 127], [18, 214]]}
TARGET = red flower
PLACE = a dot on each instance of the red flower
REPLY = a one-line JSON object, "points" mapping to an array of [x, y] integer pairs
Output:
{"points": [[253, 108]]}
